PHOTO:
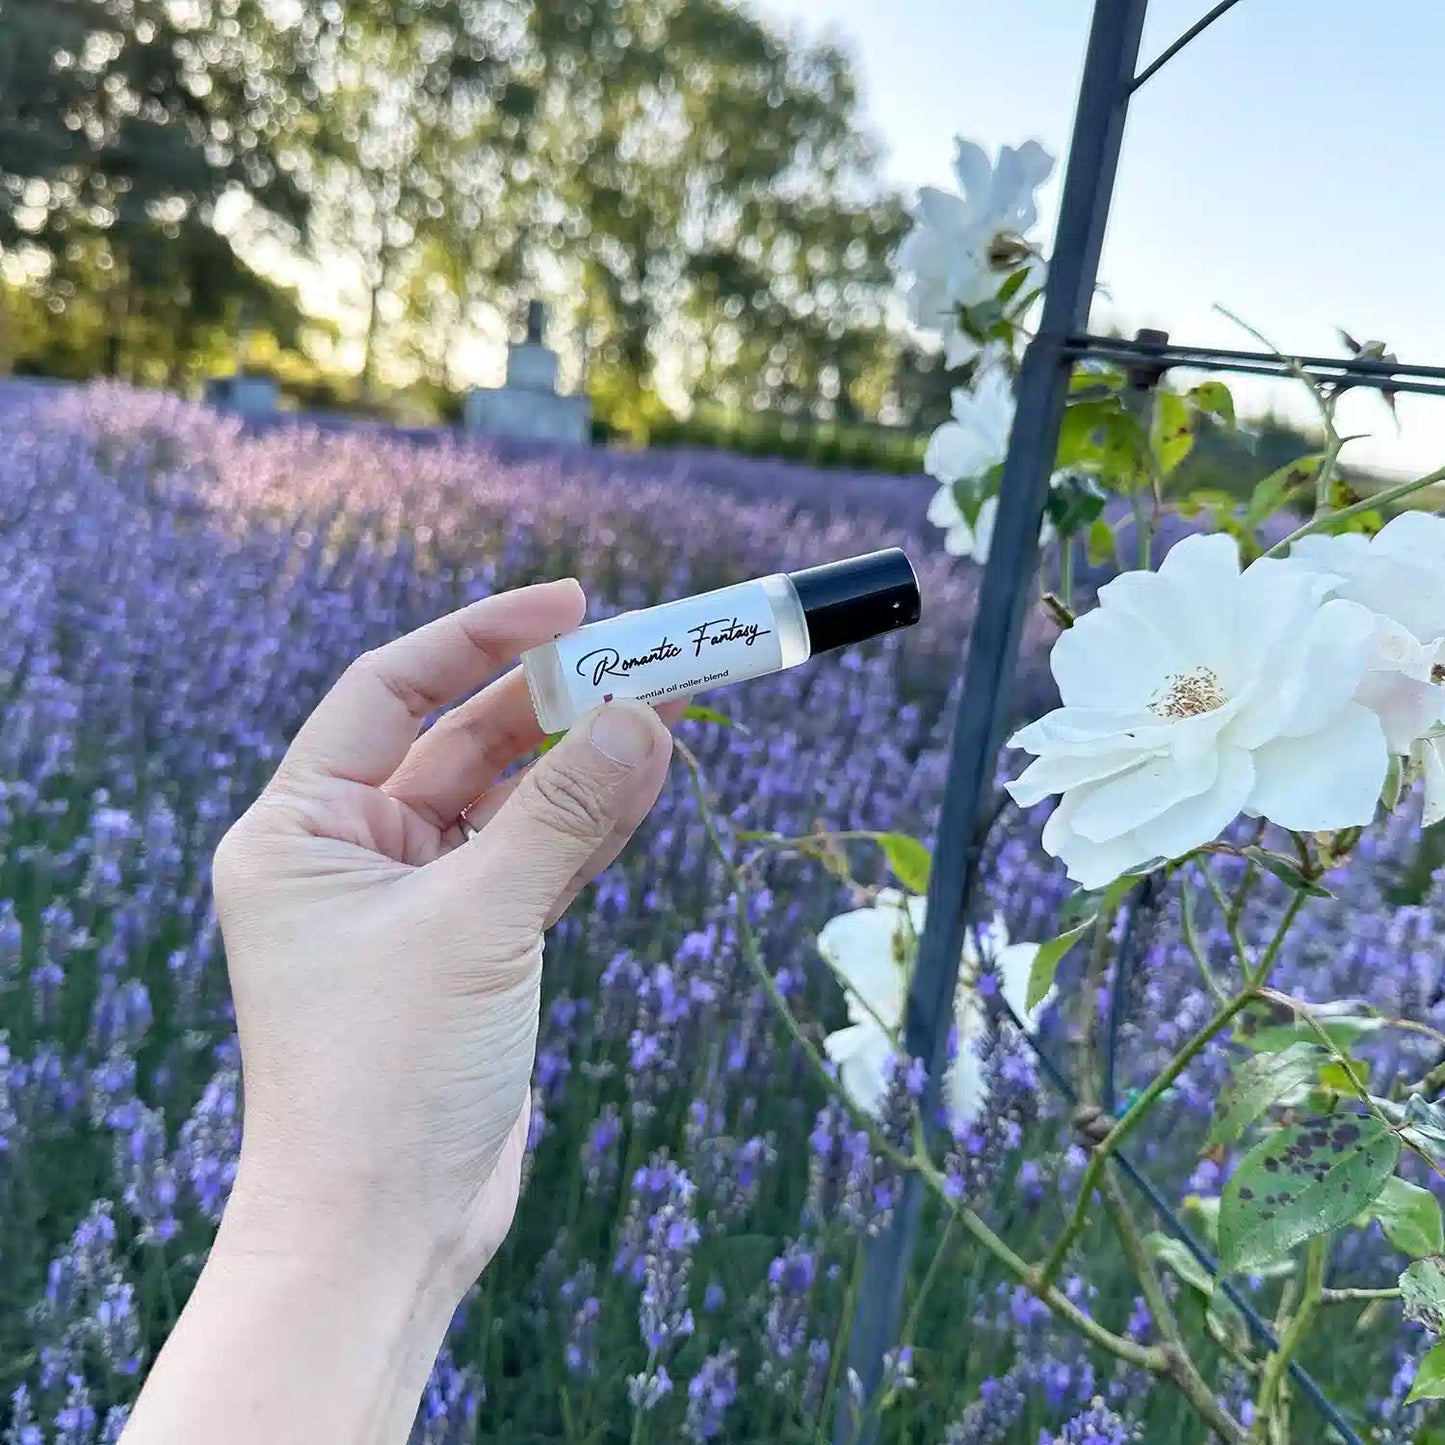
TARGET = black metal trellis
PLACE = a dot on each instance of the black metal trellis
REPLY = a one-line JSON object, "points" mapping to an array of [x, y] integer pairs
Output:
{"points": [[1109, 80]]}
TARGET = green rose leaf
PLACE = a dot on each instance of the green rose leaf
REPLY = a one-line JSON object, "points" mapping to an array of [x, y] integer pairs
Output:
{"points": [[1047, 960], [909, 860], [1078, 444], [1173, 430], [1086, 378], [1222, 1317], [1341, 1031], [1287, 871], [1123, 454], [1430, 1377], [1213, 398], [1422, 1293], [1410, 1217], [1302, 1181], [1174, 1256], [1073, 504], [699, 712], [1275, 490], [1099, 543], [1260, 1082]]}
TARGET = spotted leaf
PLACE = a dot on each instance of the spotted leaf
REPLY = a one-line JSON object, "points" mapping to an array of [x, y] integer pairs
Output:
{"points": [[1300, 1182]]}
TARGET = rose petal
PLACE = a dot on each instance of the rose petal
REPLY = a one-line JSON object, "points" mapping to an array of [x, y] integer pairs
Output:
{"points": [[1327, 780]]}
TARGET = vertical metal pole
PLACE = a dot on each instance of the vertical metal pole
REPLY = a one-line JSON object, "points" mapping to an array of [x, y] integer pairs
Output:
{"points": [[1109, 66]]}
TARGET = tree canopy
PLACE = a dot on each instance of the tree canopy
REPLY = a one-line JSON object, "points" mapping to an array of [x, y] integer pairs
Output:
{"points": [[690, 188]]}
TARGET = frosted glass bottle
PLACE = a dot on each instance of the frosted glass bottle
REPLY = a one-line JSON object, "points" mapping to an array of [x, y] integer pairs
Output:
{"points": [[718, 638]]}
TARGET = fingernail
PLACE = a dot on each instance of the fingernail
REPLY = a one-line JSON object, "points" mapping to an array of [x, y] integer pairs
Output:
{"points": [[624, 732]]}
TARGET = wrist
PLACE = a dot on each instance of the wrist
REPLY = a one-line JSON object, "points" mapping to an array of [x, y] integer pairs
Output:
{"points": [[300, 1328], [349, 1240]]}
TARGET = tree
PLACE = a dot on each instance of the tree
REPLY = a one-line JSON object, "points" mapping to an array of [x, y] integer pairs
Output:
{"points": [[123, 125], [698, 188]]}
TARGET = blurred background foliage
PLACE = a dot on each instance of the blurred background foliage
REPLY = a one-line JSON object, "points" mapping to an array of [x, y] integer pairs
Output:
{"points": [[358, 196], [689, 188]]}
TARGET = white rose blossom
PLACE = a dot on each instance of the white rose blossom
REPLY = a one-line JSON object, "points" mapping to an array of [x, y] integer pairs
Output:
{"points": [[1198, 692], [962, 248], [974, 442], [1399, 575], [871, 950], [977, 437]]}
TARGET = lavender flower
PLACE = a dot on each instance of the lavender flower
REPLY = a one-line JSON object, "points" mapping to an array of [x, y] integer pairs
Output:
{"points": [[211, 1142], [1098, 1425], [447, 1414], [75, 1421], [23, 1428], [710, 1394], [147, 1179], [991, 1418]]}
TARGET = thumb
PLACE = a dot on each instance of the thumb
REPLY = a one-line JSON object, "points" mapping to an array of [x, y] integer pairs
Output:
{"points": [[583, 798]]}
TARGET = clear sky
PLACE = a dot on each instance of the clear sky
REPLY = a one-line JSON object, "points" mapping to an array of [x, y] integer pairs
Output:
{"points": [[1288, 164]]}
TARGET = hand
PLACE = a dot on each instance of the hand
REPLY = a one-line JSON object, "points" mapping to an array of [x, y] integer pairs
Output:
{"points": [[386, 971]]}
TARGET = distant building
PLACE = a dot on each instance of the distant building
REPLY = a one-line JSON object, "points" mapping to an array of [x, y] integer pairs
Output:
{"points": [[251, 396], [529, 404]]}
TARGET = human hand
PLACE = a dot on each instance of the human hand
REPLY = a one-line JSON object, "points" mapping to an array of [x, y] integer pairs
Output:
{"points": [[386, 971]]}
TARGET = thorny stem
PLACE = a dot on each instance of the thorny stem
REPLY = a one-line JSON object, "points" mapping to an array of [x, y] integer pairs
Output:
{"points": [[1190, 933], [1146, 1101], [1183, 1371], [1226, 909], [915, 1313], [1354, 1295], [1369, 504], [1298, 1328], [1127, 1123], [1131, 1353]]}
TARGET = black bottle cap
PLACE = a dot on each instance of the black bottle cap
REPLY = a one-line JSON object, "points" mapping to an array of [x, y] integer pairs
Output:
{"points": [[858, 598]]}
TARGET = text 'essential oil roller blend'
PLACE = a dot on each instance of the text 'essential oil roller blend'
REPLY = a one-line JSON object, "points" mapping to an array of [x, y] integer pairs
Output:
{"points": [[722, 637]]}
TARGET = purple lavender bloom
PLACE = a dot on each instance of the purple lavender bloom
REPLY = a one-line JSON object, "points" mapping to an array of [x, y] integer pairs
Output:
{"points": [[12, 941], [46, 981], [648, 1390], [599, 1154], [447, 1414], [710, 1394], [147, 1179], [113, 1102], [23, 1429], [1097, 1425], [75, 1421], [115, 1328], [210, 1143], [116, 1419], [791, 1277], [991, 1418]]}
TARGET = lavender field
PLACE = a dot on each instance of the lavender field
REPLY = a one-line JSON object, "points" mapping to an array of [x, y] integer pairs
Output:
{"points": [[175, 596]]}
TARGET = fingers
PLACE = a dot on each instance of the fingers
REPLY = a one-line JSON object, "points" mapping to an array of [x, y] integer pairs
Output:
{"points": [[580, 801], [366, 724], [455, 761]]}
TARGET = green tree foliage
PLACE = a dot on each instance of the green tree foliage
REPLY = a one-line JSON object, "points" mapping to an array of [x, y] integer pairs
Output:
{"points": [[123, 124], [689, 187]]}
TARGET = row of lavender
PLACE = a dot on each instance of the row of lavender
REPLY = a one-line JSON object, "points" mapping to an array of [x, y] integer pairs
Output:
{"points": [[174, 596]]}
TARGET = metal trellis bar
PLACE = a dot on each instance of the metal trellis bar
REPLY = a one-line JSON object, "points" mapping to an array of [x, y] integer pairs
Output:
{"points": [[1326, 370], [1194, 31], [1109, 63]]}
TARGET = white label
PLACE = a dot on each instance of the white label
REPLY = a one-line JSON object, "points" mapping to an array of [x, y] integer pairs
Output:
{"points": [[674, 650]]}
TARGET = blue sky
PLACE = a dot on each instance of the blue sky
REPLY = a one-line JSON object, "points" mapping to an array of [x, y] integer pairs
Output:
{"points": [[1289, 164]]}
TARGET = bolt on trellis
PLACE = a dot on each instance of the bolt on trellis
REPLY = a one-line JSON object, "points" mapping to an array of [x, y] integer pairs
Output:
{"points": [[1109, 80]]}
